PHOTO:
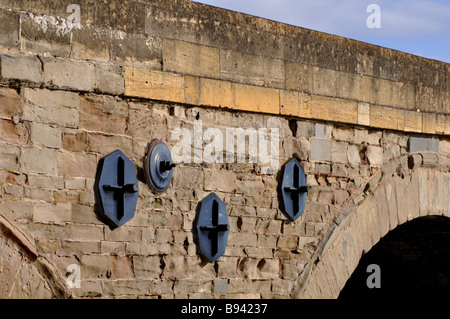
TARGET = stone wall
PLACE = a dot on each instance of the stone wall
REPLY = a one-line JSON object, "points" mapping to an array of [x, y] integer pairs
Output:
{"points": [[138, 70]]}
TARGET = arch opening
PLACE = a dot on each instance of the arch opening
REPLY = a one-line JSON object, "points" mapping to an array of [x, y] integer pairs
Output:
{"points": [[413, 262]]}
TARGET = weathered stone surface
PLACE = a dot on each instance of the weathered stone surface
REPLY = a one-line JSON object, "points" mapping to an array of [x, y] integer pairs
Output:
{"points": [[109, 79], [137, 49], [72, 164], [21, 68], [50, 107], [421, 143], [9, 37], [70, 74], [147, 267], [256, 99], [19, 237], [251, 69], [13, 133], [320, 150], [215, 93], [375, 155], [52, 213], [296, 147], [38, 160], [103, 113], [154, 85], [9, 102], [44, 33], [225, 183], [90, 44], [45, 135], [10, 260], [189, 58], [29, 284]]}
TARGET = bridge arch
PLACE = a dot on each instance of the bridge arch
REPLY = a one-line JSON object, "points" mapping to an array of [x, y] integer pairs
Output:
{"points": [[403, 190], [411, 261]]}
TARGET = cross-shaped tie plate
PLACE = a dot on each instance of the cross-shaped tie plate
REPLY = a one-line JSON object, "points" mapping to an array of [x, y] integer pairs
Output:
{"points": [[293, 189], [117, 188], [212, 227]]}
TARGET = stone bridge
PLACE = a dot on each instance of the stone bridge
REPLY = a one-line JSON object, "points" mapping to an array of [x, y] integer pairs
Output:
{"points": [[80, 79]]}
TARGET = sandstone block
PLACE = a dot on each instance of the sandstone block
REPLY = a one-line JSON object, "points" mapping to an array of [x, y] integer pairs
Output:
{"points": [[9, 37], [109, 79], [121, 267], [429, 123], [299, 77], [71, 164], [269, 268], [13, 133], [251, 69], [126, 287], [413, 121], [430, 160], [339, 152], [147, 266], [74, 141], [375, 155], [224, 181], [193, 286], [89, 289], [80, 232], [52, 213], [363, 114], [106, 144], [320, 150], [95, 266], [324, 81], [38, 160], [103, 113], [21, 68], [289, 103], [70, 74], [384, 117], [144, 124], [134, 48], [347, 85], [90, 44], [332, 109], [353, 155], [296, 147], [440, 123], [9, 102], [10, 260], [50, 107], [44, 34], [45, 135], [190, 58], [256, 99], [216, 93], [192, 90], [154, 85]]}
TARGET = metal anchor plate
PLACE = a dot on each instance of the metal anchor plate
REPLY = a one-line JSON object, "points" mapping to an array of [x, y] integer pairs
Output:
{"points": [[293, 189], [117, 188], [158, 166], [212, 227]]}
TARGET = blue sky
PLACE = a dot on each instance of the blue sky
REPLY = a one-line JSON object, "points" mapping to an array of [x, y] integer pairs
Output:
{"points": [[420, 27]]}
